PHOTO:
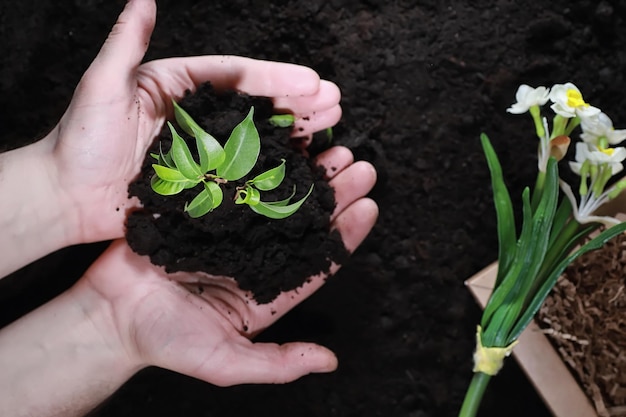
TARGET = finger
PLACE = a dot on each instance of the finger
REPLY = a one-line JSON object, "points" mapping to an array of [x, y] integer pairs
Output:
{"points": [[326, 97], [354, 224], [126, 44], [267, 363], [351, 184], [316, 121], [252, 76], [335, 160]]}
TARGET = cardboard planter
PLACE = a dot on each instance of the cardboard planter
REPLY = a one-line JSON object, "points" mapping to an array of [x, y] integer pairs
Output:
{"points": [[539, 360], [543, 365]]}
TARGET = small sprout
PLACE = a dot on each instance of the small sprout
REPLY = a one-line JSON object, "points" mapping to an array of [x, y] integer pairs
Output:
{"points": [[177, 170], [329, 134], [282, 120]]}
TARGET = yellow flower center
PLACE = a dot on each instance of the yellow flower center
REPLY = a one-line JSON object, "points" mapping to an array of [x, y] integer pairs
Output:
{"points": [[575, 99], [608, 151]]}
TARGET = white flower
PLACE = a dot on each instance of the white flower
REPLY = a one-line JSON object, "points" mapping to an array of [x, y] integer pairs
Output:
{"points": [[600, 126], [612, 157], [568, 102], [584, 211], [527, 97]]}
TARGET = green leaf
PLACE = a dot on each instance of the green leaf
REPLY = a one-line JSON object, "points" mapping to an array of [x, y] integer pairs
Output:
{"points": [[504, 211], [164, 159], [216, 193], [274, 211], [511, 277], [182, 157], [282, 120], [329, 134], [211, 152], [207, 200], [242, 150], [532, 249], [184, 120], [270, 179], [282, 202], [163, 187], [169, 174], [200, 205], [249, 196], [209, 149], [563, 214]]}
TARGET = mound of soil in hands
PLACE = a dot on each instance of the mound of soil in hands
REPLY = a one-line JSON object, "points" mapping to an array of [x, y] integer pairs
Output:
{"points": [[265, 256]]}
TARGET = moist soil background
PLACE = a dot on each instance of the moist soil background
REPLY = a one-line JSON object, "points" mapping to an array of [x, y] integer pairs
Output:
{"points": [[420, 81]]}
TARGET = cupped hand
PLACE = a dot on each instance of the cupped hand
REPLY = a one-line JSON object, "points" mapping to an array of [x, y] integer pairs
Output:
{"points": [[164, 320], [120, 105]]}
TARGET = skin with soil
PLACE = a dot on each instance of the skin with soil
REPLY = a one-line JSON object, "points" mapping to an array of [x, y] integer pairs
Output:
{"points": [[420, 81]]}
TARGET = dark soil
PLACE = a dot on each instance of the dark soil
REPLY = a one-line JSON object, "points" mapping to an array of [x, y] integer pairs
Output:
{"points": [[265, 256], [420, 81]]}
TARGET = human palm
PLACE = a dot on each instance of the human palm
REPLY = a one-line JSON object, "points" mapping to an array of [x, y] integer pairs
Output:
{"points": [[201, 325]]}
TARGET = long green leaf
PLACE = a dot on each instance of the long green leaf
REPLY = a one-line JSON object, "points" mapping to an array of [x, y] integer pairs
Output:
{"points": [[501, 292], [499, 302], [504, 211], [532, 249], [279, 212], [283, 202], [242, 150], [533, 307], [563, 214]]}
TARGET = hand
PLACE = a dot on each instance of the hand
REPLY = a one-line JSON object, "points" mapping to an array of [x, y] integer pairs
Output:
{"points": [[164, 320], [119, 106]]}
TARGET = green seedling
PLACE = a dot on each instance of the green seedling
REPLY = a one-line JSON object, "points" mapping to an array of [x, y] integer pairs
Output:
{"points": [[282, 120], [177, 170]]}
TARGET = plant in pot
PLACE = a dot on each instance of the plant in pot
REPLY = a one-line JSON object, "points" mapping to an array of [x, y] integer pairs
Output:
{"points": [[557, 225], [241, 201]]}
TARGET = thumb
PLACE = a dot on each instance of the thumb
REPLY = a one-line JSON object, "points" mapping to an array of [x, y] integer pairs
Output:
{"points": [[263, 363], [127, 42]]}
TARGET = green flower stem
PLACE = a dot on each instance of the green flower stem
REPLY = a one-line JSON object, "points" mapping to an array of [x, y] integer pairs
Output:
{"points": [[603, 176], [535, 112], [559, 124], [571, 125], [474, 394]]}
